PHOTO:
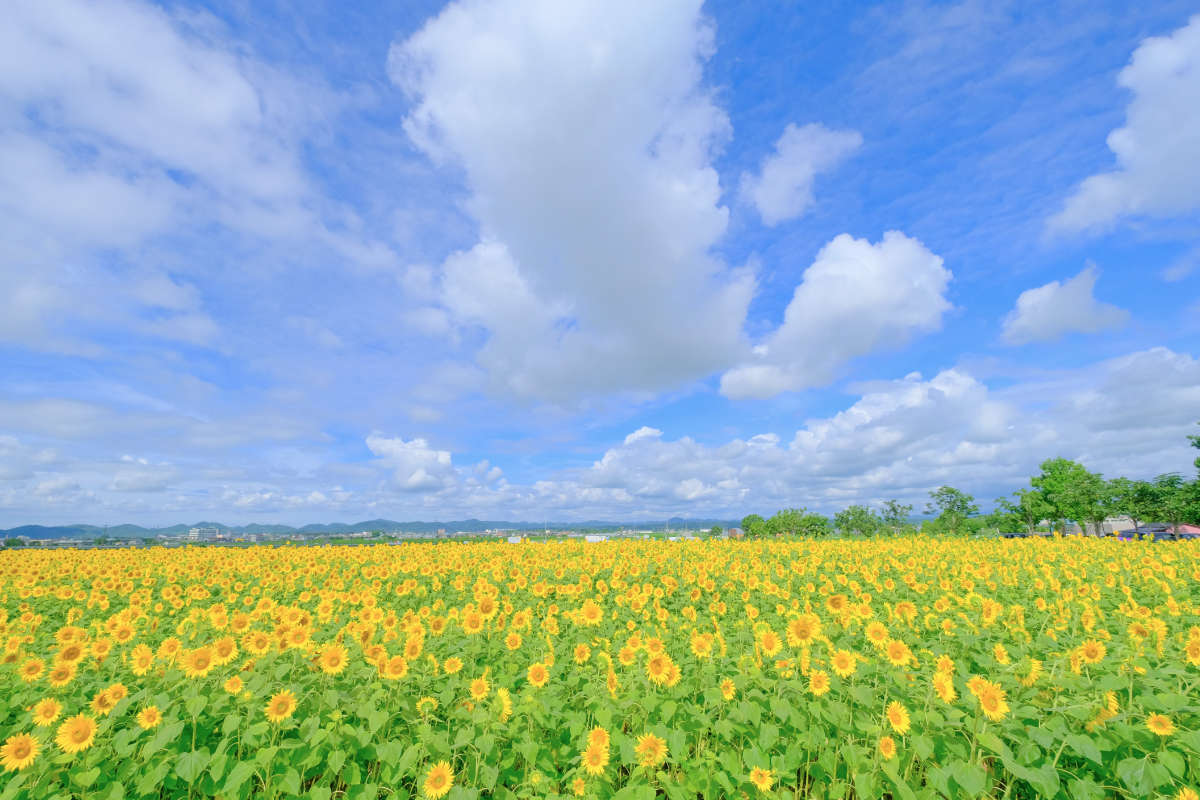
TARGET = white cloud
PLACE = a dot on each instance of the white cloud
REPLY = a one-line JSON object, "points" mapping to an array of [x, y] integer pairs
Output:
{"points": [[644, 432], [854, 299], [125, 124], [1050, 311], [594, 270], [19, 461], [898, 439], [783, 189], [1158, 148], [1183, 266], [415, 466]]}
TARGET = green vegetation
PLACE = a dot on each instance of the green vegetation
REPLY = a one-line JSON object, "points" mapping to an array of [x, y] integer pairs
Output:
{"points": [[1063, 492]]}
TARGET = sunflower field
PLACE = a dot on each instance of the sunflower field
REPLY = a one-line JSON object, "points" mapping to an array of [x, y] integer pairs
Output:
{"points": [[906, 668]]}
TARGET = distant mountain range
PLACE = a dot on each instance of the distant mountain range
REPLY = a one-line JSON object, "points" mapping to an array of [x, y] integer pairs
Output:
{"points": [[385, 525]]}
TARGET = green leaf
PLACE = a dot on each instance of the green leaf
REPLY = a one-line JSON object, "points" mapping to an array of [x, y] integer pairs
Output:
{"points": [[240, 773], [971, 777], [231, 724], [86, 778], [189, 765], [335, 761], [1045, 780], [194, 705], [1085, 747], [902, 788], [487, 776], [389, 752], [375, 719], [866, 784], [1173, 762], [13, 785], [1132, 772], [750, 712], [151, 781], [216, 767], [164, 735], [1086, 789], [638, 792], [320, 793], [410, 757], [922, 745], [290, 782], [768, 735]]}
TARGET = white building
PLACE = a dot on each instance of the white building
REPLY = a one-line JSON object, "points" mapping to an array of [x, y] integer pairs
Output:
{"points": [[203, 533]]}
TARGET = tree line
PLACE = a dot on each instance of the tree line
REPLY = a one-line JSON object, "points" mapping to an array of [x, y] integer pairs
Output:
{"points": [[1063, 492]]}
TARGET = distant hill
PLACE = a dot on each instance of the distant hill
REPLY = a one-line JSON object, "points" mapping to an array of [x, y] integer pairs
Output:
{"points": [[128, 531]]}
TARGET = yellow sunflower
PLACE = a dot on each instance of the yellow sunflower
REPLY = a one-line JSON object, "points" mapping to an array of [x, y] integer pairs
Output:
{"points": [[762, 778], [149, 717], [1160, 724], [897, 717], [18, 752], [281, 705], [46, 711], [651, 750], [76, 734], [438, 780]]}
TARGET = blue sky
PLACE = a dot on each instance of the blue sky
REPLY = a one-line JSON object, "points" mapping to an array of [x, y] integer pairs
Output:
{"points": [[535, 260]]}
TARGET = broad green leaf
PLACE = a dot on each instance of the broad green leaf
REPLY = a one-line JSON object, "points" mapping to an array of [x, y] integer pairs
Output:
{"points": [[240, 773], [85, 778], [1085, 747], [189, 765], [971, 777]]}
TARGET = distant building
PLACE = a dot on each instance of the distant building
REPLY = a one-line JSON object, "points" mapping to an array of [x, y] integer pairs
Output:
{"points": [[195, 534]]}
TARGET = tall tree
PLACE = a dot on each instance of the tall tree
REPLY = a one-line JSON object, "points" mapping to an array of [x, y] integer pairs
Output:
{"points": [[1099, 503], [754, 526], [895, 514], [785, 521], [1027, 508], [1172, 498], [952, 507], [1069, 490], [857, 521], [1195, 440]]}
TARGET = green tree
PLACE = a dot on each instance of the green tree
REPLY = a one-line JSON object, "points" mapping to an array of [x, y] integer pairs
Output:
{"points": [[1070, 491], [953, 509], [797, 522], [785, 522], [1025, 511], [1195, 440], [1135, 499], [813, 524], [716, 531], [895, 514], [1172, 498], [857, 521], [1100, 503], [754, 526]]}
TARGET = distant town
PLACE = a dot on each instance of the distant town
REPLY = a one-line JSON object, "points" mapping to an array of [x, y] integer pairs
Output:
{"points": [[214, 535]]}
